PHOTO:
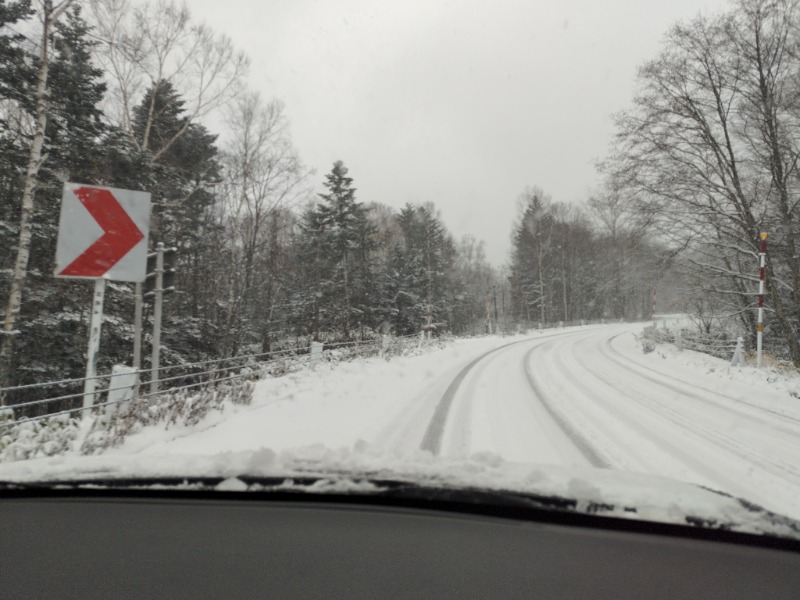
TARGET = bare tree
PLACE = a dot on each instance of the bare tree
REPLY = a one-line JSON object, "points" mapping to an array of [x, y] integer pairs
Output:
{"points": [[149, 44], [708, 152], [622, 232], [264, 177]]}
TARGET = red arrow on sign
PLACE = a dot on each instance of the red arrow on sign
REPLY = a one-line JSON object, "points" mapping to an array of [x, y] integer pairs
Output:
{"points": [[120, 234]]}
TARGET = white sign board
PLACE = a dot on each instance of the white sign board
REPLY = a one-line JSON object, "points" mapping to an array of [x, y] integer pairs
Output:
{"points": [[102, 233]]}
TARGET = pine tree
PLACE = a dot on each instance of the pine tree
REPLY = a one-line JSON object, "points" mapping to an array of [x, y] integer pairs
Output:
{"points": [[17, 77], [180, 181], [336, 287], [346, 238], [530, 250], [17, 74], [422, 269]]}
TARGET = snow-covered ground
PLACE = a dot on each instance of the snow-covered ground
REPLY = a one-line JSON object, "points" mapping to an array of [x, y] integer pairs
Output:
{"points": [[573, 400]]}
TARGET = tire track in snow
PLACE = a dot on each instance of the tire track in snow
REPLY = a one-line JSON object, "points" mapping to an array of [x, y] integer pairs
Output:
{"points": [[595, 458], [432, 440], [629, 421], [734, 446]]}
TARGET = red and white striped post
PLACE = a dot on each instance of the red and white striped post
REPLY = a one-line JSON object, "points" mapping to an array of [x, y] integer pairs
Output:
{"points": [[760, 326]]}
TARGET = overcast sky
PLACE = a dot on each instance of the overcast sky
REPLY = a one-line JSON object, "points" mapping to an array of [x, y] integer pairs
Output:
{"points": [[464, 103]]}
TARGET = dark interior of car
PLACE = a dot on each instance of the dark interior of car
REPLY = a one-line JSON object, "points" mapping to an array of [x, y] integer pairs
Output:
{"points": [[79, 543]]}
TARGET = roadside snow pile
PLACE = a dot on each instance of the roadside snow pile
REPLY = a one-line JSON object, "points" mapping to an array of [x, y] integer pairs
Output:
{"points": [[705, 370], [63, 433], [182, 408]]}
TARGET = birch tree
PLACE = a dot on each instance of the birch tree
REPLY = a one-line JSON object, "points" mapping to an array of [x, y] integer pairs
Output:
{"points": [[264, 178], [49, 13]]}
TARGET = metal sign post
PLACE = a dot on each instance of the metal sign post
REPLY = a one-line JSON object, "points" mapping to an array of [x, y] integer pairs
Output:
{"points": [[95, 324]]}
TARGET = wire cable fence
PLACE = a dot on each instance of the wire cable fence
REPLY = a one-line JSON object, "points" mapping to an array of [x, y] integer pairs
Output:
{"points": [[38, 401], [720, 344], [191, 375], [49, 426], [182, 393]]}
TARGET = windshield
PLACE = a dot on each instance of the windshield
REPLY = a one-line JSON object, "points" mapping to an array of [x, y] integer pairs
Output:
{"points": [[527, 246]]}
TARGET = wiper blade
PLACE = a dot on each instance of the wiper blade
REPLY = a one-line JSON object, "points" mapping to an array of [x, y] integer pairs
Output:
{"points": [[316, 484], [367, 490]]}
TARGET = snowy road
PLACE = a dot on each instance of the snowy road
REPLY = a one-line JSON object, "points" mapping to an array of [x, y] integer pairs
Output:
{"points": [[578, 397], [584, 399]]}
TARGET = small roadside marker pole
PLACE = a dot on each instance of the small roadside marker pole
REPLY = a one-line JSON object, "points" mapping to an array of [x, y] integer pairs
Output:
{"points": [[760, 326], [738, 353], [653, 312], [315, 353], [137, 335]]}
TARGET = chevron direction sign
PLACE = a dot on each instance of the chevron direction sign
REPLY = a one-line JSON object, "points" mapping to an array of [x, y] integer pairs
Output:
{"points": [[102, 233]]}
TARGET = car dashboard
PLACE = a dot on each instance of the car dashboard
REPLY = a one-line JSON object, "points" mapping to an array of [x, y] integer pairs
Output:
{"points": [[84, 543]]}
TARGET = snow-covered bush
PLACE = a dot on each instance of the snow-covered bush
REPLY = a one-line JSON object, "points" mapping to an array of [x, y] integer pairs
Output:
{"points": [[183, 407], [47, 437]]}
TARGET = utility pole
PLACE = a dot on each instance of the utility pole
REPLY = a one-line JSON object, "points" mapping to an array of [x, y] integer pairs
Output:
{"points": [[159, 302], [137, 334], [760, 326], [162, 284]]}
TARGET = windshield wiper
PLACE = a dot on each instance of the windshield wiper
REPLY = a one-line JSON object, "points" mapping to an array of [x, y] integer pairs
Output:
{"points": [[364, 490]]}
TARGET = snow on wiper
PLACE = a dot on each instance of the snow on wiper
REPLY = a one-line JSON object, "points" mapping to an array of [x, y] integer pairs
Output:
{"points": [[414, 478]]}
